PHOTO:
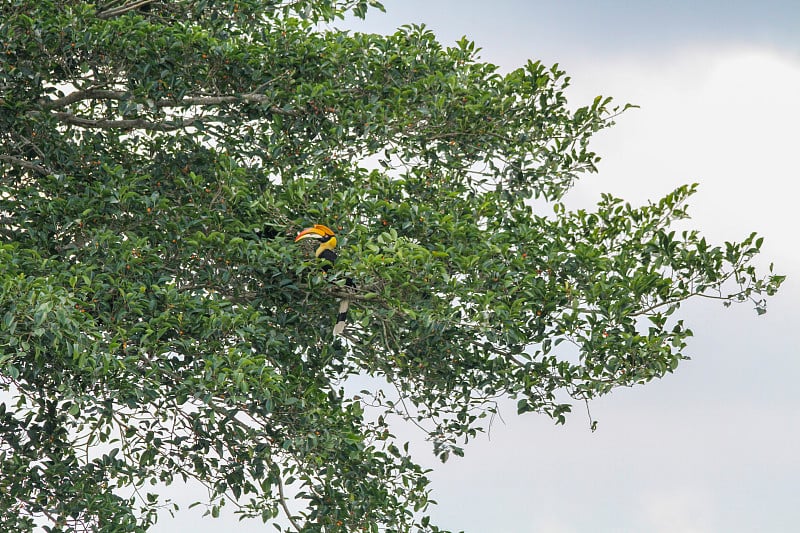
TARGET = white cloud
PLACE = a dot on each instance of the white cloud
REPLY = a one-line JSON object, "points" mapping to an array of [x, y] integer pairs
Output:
{"points": [[678, 509], [726, 118]]}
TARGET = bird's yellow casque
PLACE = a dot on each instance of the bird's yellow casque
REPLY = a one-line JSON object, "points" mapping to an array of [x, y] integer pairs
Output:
{"points": [[327, 251], [327, 242]]}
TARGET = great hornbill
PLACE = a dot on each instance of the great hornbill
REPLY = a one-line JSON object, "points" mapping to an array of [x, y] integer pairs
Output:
{"points": [[327, 252]]}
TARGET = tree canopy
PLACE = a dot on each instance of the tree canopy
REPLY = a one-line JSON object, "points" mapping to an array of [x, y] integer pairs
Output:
{"points": [[160, 325]]}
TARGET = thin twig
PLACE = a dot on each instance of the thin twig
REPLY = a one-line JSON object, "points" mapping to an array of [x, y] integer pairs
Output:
{"points": [[592, 422], [286, 507]]}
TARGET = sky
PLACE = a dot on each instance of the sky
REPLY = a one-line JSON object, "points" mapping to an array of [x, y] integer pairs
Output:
{"points": [[713, 447]]}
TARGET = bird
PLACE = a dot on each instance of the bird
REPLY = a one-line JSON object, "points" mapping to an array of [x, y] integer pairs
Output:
{"points": [[327, 252]]}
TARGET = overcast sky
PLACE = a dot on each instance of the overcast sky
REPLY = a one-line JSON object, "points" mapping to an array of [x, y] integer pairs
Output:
{"points": [[716, 446]]}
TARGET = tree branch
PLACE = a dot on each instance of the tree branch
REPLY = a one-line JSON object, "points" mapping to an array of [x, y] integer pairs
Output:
{"points": [[286, 507], [25, 164], [115, 12], [110, 4], [124, 124], [108, 94], [353, 294], [77, 96]]}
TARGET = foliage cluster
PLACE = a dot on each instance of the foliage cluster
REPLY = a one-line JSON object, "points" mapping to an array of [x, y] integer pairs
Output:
{"points": [[158, 324]]}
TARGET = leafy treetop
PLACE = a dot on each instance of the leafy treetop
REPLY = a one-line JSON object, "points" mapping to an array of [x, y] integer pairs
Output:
{"points": [[158, 324]]}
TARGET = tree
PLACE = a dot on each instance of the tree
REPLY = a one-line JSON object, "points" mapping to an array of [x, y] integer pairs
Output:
{"points": [[159, 324]]}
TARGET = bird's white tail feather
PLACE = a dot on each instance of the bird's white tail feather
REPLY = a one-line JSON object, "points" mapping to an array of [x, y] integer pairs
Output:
{"points": [[341, 319]]}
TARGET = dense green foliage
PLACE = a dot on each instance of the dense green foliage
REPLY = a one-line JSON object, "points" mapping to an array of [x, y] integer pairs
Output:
{"points": [[159, 324]]}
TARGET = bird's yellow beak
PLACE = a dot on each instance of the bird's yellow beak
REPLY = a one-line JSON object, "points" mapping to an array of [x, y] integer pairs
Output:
{"points": [[317, 231]]}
